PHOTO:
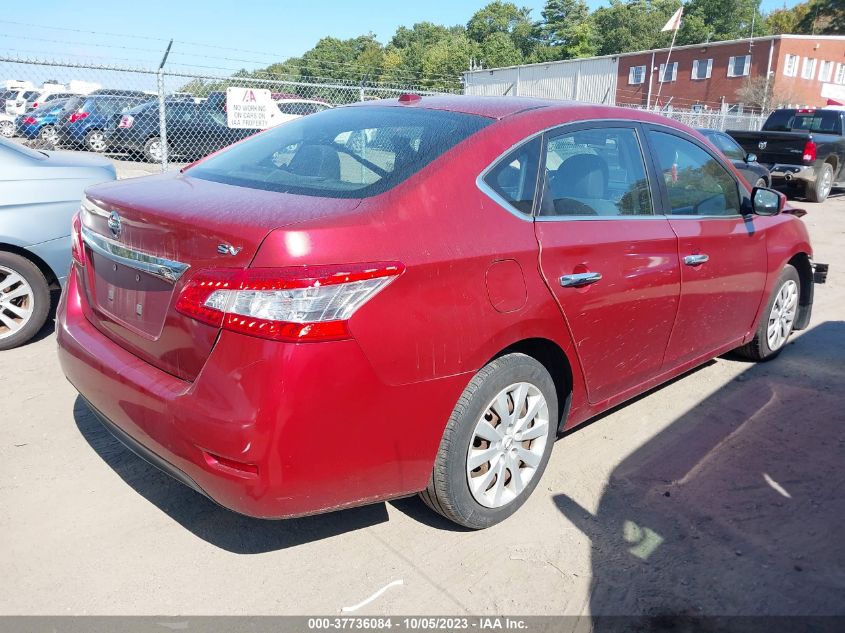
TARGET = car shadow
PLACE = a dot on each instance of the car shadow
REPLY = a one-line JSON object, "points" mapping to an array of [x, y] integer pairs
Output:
{"points": [[221, 527], [736, 508], [50, 324]]}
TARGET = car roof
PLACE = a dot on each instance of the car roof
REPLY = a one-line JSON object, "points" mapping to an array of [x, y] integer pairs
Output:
{"points": [[490, 107]]}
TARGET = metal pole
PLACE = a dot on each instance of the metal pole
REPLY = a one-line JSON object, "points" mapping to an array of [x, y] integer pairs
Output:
{"points": [[650, 73], [162, 118]]}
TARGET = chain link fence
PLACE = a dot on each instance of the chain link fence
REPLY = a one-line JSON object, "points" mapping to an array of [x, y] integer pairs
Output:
{"points": [[157, 116]]}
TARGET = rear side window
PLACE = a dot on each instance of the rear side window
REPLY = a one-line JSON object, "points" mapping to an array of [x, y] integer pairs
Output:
{"points": [[823, 121], [514, 178], [351, 152], [695, 181], [595, 172]]}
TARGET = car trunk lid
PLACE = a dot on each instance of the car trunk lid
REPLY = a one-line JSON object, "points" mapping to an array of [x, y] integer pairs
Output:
{"points": [[772, 148], [146, 237]]}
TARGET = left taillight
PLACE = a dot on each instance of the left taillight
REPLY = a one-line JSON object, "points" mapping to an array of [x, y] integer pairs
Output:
{"points": [[30, 120], [77, 248], [303, 303]]}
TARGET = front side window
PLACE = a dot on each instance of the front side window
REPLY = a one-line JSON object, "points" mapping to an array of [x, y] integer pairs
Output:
{"points": [[636, 75], [739, 66], [695, 181], [354, 152], [702, 68], [514, 178], [595, 172]]}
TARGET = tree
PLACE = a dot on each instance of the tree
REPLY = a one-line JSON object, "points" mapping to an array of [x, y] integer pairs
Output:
{"points": [[715, 20], [633, 25], [505, 18], [498, 50], [568, 28], [757, 93], [823, 17]]}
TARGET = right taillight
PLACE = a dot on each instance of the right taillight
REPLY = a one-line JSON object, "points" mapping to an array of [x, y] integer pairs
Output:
{"points": [[77, 116], [126, 121], [302, 303], [77, 248], [809, 152], [30, 120]]}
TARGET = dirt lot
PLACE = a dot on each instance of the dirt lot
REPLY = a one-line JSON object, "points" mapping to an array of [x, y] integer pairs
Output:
{"points": [[718, 493]]}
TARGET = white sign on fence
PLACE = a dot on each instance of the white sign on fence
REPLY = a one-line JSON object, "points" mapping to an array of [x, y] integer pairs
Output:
{"points": [[249, 108]]}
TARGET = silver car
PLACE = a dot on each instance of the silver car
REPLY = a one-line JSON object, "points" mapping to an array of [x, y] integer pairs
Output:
{"points": [[39, 194]]}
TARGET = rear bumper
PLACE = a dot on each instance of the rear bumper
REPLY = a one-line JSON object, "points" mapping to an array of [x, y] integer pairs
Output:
{"points": [[315, 427], [787, 173]]}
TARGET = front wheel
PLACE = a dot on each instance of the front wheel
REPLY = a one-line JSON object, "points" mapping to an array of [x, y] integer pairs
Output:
{"points": [[24, 300], [496, 444], [778, 318]]}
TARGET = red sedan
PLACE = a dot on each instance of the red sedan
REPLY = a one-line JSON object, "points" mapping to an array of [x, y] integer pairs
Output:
{"points": [[416, 296]]}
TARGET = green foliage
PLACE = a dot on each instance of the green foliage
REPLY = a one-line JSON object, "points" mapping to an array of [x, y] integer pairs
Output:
{"points": [[504, 34]]}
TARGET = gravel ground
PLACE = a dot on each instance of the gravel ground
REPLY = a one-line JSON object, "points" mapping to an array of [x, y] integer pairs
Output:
{"points": [[718, 493]]}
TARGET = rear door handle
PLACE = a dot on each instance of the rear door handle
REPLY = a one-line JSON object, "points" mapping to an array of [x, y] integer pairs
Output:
{"points": [[579, 279], [695, 260]]}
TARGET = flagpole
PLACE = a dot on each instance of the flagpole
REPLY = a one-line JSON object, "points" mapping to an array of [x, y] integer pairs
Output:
{"points": [[660, 76]]}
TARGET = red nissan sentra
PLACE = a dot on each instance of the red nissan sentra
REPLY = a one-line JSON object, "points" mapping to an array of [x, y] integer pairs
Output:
{"points": [[416, 296]]}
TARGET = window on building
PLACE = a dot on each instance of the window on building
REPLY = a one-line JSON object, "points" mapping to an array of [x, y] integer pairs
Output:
{"points": [[825, 71], [840, 74], [670, 72], [701, 68], [790, 65], [695, 181], [808, 70], [636, 75], [739, 66]]}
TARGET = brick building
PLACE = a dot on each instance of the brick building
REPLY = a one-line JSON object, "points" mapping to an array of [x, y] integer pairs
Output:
{"points": [[803, 70]]}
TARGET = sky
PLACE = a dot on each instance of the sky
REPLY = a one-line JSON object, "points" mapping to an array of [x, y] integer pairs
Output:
{"points": [[270, 30]]}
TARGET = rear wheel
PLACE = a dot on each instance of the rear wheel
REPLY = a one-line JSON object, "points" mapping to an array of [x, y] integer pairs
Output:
{"points": [[48, 134], [153, 150], [24, 300], [761, 182], [778, 318], [7, 129], [95, 140], [497, 443], [819, 190]]}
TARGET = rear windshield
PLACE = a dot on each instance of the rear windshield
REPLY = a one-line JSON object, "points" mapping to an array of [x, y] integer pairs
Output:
{"points": [[341, 153], [814, 121]]}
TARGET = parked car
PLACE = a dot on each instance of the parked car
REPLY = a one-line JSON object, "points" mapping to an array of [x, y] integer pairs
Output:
{"points": [[39, 195], [138, 131], [40, 123], [299, 324], [23, 104], [84, 125], [804, 148], [745, 163], [19, 96]]}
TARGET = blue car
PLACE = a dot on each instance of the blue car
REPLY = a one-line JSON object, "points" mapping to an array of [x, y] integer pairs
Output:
{"points": [[39, 195], [40, 122], [84, 125]]}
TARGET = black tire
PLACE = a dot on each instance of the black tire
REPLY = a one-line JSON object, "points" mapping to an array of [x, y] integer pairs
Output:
{"points": [[40, 298], [758, 348], [91, 141], [448, 491], [818, 190]]}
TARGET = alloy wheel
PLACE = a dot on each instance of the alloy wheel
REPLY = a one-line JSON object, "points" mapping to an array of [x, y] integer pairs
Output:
{"points": [[782, 315], [507, 445], [49, 134], [155, 150], [97, 141], [827, 183], [17, 301], [7, 129]]}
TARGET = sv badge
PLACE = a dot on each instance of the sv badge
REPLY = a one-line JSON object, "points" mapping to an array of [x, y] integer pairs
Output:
{"points": [[228, 249]]}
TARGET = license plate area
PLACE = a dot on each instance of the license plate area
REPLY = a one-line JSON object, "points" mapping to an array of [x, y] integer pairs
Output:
{"points": [[131, 297]]}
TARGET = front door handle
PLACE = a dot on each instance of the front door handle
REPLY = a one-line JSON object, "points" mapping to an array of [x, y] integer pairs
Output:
{"points": [[696, 260], [579, 279]]}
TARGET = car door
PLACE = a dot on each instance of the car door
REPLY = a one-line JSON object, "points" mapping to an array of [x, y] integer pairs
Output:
{"points": [[611, 263], [722, 251]]}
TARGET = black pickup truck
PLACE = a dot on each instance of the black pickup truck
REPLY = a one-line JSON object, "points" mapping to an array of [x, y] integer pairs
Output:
{"points": [[803, 148]]}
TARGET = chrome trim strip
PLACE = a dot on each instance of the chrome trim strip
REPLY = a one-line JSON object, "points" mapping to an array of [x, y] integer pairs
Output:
{"points": [[157, 266]]}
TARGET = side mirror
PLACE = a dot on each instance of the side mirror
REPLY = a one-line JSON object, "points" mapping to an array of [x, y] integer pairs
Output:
{"points": [[751, 158], [767, 201]]}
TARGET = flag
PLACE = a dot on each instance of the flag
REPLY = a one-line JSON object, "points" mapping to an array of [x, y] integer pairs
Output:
{"points": [[674, 22]]}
